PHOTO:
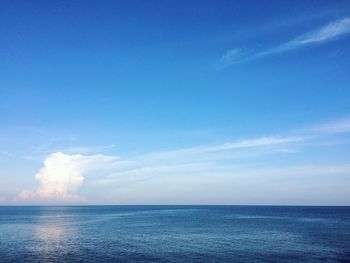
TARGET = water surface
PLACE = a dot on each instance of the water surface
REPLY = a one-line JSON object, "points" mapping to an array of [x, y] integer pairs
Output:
{"points": [[174, 234]]}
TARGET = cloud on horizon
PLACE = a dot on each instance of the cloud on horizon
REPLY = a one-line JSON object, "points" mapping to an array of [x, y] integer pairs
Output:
{"points": [[63, 174], [326, 33]]}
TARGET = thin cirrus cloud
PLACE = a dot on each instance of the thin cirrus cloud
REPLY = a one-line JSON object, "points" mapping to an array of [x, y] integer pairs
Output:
{"points": [[326, 33], [6, 154], [339, 126], [253, 143], [63, 174], [201, 160], [212, 159]]}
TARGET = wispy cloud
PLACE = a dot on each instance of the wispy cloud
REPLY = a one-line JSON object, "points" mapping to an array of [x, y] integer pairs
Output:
{"points": [[222, 158], [200, 159], [326, 33], [293, 184], [338, 126], [257, 142], [241, 144], [6, 154], [146, 172], [86, 149], [63, 174], [48, 148]]}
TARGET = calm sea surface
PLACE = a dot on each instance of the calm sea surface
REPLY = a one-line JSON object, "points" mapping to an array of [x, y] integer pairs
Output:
{"points": [[174, 234]]}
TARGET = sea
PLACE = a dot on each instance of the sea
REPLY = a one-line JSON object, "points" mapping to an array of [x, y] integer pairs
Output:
{"points": [[174, 234]]}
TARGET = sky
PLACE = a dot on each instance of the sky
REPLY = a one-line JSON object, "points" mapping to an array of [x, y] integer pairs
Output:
{"points": [[175, 102]]}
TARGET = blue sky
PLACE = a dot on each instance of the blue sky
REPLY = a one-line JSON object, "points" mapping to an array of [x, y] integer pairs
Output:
{"points": [[175, 102]]}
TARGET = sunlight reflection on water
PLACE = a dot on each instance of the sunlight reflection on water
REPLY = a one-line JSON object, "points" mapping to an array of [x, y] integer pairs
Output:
{"points": [[52, 237]]}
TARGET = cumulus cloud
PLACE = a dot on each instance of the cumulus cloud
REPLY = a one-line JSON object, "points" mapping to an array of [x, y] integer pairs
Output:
{"points": [[63, 174], [326, 33]]}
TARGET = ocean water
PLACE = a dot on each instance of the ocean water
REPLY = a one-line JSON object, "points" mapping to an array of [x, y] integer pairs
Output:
{"points": [[174, 234]]}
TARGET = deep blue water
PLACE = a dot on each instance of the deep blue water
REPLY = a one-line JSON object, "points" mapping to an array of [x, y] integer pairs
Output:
{"points": [[174, 234]]}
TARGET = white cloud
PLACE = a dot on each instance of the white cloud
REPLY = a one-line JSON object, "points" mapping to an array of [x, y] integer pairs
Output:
{"points": [[242, 185], [62, 175], [338, 126], [326, 33], [223, 159], [257, 142], [198, 160], [147, 172], [230, 146], [230, 56], [86, 149]]}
